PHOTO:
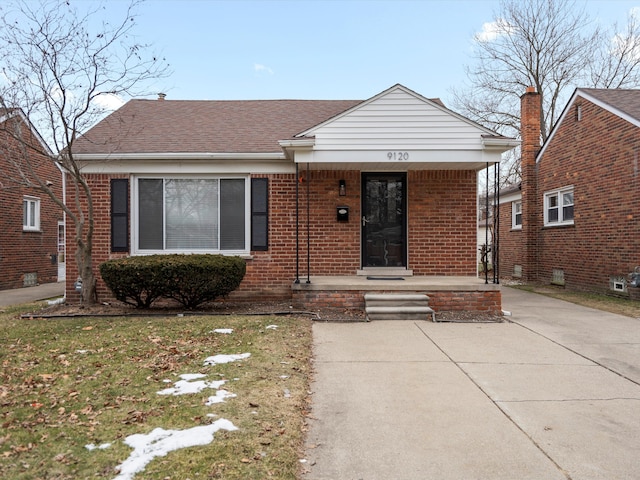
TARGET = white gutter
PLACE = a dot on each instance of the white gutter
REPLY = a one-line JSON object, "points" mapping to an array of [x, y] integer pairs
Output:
{"points": [[89, 157]]}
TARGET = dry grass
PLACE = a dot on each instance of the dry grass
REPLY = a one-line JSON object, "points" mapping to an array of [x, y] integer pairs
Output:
{"points": [[69, 382], [619, 305]]}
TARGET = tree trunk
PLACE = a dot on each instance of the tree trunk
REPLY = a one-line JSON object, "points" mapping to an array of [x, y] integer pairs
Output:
{"points": [[84, 259]]}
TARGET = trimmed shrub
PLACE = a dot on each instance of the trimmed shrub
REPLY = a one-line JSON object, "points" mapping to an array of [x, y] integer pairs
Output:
{"points": [[196, 279], [136, 281], [189, 279]]}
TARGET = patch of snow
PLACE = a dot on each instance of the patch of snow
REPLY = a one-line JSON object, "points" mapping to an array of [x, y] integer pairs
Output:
{"points": [[271, 327], [81, 351], [219, 397], [284, 377], [159, 442], [56, 301], [218, 359], [223, 330], [183, 387], [91, 446]]}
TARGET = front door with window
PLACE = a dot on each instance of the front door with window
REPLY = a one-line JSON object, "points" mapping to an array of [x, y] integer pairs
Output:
{"points": [[384, 220]]}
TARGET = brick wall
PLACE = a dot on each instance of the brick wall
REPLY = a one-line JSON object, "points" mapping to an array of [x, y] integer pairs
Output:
{"points": [[26, 252], [530, 133], [442, 233], [100, 187], [598, 155], [441, 301], [442, 222], [511, 242]]}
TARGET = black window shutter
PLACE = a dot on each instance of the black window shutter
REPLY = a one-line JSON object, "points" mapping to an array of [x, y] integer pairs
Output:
{"points": [[119, 215], [259, 214]]}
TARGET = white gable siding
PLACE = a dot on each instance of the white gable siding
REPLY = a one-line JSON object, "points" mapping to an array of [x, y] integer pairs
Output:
{"points": [[398, 121]]}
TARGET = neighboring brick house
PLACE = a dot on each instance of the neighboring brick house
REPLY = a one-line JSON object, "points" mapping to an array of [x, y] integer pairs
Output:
{"points": [[325, 199], [579, 220], [31, 224]]}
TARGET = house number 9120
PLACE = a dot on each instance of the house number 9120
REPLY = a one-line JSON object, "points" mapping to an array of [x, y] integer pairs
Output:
{"points": [[398, 156]]}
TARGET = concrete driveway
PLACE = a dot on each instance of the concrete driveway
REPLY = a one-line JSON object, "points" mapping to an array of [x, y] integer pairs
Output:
{"points": [[552, 394], [18, 296]]}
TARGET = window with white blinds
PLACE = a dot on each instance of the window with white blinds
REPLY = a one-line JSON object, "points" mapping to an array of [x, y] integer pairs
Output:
{"points": [[192, 214]]}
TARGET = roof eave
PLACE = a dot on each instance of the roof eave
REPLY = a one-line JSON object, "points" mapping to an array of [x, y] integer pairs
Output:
{"points": [[96, 157], [499, 144]]}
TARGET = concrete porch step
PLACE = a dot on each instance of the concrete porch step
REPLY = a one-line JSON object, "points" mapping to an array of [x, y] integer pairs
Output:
{"points": [[397, 307]]}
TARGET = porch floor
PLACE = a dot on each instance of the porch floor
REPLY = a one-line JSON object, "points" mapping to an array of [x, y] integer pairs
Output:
{"points": [[389, 283], [446, 293]]}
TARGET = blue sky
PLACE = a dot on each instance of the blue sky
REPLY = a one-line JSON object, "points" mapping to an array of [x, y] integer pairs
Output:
{"points": [[331, 49]]}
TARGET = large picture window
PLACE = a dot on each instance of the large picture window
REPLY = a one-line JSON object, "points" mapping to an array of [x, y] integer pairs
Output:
{"points": [[558, 207], [191, 214]]}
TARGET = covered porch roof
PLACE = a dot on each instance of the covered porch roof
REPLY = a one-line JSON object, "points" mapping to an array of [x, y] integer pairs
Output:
{"points": [[398, 130]]}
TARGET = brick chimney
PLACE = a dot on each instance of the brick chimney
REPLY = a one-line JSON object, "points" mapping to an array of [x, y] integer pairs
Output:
{"points": [[162, 96], [530, 107]]}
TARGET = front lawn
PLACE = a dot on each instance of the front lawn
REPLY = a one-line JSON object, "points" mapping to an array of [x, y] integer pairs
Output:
{"points": [[80, 397]]}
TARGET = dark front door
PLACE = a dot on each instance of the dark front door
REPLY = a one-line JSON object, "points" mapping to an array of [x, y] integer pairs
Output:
{"points": [[384, 220]]}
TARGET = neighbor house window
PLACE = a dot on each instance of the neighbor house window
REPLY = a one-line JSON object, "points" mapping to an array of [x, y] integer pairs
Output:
{"points": [[31, 214], [516, 214], [558, 207], [192, 214]]}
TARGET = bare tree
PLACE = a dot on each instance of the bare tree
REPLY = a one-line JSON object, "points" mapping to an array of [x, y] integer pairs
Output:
{"points": [[552, 45], [58, 62]]}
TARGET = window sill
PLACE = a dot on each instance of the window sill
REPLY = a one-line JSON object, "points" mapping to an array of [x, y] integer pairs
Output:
{"points": [[31, 230], [559, 225]]}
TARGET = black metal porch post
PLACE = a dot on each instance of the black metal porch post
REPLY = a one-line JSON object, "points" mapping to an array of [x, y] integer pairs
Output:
{"points": [[485, 262]]}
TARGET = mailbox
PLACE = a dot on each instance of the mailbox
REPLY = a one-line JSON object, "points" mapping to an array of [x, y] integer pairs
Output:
{"points": [[342, 214]]}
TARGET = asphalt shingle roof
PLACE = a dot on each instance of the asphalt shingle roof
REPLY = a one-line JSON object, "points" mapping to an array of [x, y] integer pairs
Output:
{"points": [[627, 101], [206, 126]]}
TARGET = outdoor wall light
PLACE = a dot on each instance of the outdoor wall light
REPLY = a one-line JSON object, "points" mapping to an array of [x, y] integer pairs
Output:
{"points": [[342, 188]]}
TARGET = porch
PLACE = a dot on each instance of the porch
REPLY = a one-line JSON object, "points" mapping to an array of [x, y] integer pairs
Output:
{"points": [[446, 293]]}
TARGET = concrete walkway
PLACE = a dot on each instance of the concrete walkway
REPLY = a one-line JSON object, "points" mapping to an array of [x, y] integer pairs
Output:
{"points": [[552, 394], [31, 294]]}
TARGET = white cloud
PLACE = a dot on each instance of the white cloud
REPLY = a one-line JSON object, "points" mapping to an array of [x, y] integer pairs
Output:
{"points": [[108, 101], [258, 67], [492, 30]]}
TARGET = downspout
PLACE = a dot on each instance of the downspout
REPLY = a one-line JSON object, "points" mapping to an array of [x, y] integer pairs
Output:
{"points": [[297, 180], [308, 225], [496, 228]]}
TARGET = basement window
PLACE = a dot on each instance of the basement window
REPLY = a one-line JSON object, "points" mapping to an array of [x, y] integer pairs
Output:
{"points": [[557, 277], [618, 284], [517, 271]]}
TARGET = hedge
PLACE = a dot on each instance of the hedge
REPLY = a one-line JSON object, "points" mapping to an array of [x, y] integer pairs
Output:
{"points": [[189, 279]]}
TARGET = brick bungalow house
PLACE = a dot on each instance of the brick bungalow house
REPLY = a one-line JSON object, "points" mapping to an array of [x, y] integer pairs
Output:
{"points": [[574, 220], [31, 224], [324, 199]]}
